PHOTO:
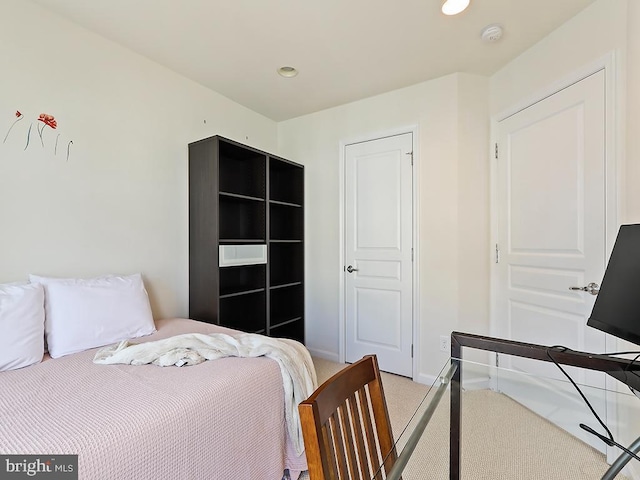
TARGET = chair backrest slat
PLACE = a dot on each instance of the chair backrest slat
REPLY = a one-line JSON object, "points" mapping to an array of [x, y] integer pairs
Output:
{"points": [[350, 447], [345, 425], [328, 461], [339, 447], [370, 435], [356, 420]]}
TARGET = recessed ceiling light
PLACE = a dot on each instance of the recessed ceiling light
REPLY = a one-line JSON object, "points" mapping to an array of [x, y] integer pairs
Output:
{"points": [[454, 7], [288, 72]]}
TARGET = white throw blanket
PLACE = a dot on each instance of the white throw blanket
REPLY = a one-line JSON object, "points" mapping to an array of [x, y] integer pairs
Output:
{"points": [[298, 373]]}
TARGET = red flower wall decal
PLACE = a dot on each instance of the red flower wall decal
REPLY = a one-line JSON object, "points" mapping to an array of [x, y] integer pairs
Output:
{"points": [[48, 120], [45, 120], [18, 118]]}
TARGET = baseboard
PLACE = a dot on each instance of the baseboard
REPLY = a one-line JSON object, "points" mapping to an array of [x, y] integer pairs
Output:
{"points": [[479, 383], [425, 379], [631, 470], [324, 354]]}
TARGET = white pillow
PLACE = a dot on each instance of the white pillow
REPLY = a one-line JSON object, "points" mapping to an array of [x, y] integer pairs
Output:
{"points": [[86, 313], [21, 325]]}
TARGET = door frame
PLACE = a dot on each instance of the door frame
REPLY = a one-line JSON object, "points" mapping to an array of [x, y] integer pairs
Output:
{"points": [[342, 321], [614, 154]]}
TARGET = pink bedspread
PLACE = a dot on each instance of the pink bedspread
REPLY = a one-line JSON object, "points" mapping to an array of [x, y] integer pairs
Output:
{"points": [[222, 419]]}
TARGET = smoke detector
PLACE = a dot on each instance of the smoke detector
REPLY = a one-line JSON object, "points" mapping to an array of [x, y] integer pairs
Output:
{"points": [[491, 33]]}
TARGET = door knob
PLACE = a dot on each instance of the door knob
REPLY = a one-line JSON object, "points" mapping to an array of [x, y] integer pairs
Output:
{"points": [[592, 288], [350, 269]]}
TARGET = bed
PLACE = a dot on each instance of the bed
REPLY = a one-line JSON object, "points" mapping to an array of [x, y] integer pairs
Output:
{"points": [[222, 419]]}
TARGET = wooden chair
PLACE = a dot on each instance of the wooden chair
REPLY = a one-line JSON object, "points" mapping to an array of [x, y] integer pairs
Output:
{"points": [[346, 428]]}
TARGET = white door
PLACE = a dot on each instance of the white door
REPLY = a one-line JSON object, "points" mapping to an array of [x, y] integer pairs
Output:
{"points": [[551, 236], [378, 256]]}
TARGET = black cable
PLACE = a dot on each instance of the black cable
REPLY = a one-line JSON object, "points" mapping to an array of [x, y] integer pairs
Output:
{"points": [[608, 441], [628, 367], [564, 349], [628, 370]]}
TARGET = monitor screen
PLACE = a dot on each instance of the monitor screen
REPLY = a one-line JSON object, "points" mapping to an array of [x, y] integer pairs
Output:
{"points": [[617, 307]]}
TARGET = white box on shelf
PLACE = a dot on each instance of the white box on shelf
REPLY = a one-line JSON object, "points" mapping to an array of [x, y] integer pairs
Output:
{"points": [[232, 255]]}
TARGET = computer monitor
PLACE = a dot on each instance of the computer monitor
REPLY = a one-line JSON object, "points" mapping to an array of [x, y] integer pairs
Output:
{"points": [[617, 307]]}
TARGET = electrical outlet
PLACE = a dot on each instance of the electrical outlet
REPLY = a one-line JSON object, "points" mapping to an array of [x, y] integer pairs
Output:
{"points": [[445, 343]]}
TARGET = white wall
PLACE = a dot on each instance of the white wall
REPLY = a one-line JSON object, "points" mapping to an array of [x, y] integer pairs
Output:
{"points": [[474, 251], [120, 203], [452, 119], [632, 178], [632, 165]]}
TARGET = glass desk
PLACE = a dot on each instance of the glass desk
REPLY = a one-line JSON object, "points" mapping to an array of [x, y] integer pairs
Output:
{"points": [[480, 421]]}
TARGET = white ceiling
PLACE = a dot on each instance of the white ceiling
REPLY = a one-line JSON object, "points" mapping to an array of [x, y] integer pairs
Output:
{"points": [[345, 50]]}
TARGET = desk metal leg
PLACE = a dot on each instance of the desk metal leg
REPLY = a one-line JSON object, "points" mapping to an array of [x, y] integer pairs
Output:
{"points": [[621, 461], [455, 413]]}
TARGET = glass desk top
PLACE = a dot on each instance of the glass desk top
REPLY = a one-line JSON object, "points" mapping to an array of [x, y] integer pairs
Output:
{"points": [[514, 425]]}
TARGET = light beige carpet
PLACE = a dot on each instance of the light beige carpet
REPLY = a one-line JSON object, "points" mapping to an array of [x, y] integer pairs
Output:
{"points": [[501, 440]]}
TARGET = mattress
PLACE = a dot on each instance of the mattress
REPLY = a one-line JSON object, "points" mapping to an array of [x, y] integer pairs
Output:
{"points": [[222, 419]]}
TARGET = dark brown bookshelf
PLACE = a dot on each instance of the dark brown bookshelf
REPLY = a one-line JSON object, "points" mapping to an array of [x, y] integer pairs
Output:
{"points": [[286, 182], [241, 219], [240, 279], [287, 263], [286, 222], [239, 195], [286, 304]]}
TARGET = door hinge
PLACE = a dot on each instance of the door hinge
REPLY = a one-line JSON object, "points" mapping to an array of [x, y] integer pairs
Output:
{"points": [[412, 254], [496, 150], [412, 350], [497, 360], [497, 254], [411, 155]]}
